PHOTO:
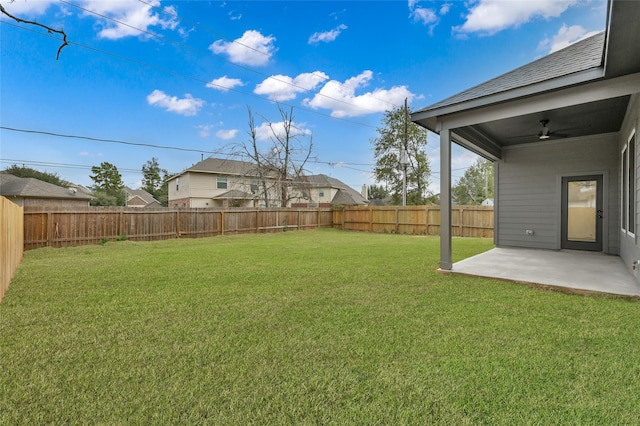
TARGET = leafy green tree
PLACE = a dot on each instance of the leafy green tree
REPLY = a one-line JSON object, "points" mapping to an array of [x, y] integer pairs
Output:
{"points": [[476, 185], [101, 198], [388, 148], [377, 192], [107, 180], [154, 180], [28, 172]]}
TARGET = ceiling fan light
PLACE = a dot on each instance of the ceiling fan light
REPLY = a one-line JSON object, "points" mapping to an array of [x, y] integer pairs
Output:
{"points": [[543, 136]]}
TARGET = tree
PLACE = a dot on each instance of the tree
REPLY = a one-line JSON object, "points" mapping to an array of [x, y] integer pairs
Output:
{"points": [[388, 148], [108, 181], [280, 165], [377, 192], [28, 172], [476, 185], [154, 180]]}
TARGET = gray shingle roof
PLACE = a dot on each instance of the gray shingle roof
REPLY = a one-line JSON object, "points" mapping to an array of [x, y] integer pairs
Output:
{"points": [[224, 166], [11, 185], [144, 195], [580, 56], [345, 194]]}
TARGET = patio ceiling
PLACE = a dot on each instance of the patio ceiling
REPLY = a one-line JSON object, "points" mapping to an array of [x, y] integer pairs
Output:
{"points": [[604, 116]]}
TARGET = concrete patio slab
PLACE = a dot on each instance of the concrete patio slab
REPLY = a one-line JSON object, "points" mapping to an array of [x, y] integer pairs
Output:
{"points": [[578, 271]]}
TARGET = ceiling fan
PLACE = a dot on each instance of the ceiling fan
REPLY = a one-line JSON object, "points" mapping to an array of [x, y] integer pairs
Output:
{"points": [[545, 133]]}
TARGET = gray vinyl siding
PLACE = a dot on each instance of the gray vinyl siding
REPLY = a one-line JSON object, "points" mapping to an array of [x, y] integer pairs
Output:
{"points": [[629, 251], [529, 178]]}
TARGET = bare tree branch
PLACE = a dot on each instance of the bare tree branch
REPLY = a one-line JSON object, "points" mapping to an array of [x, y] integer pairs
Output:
{"points": [[49, 29]]}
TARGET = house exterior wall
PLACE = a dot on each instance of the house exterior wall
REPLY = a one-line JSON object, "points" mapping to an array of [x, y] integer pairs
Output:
{"points": [[629, 242], [318, 197], [529, 189], [199, 190]]}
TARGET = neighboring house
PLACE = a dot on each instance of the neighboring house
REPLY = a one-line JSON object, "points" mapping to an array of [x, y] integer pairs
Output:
{"points": [[325, 191], [31, 192], [140, 198], [562, 132], [221, 183]]}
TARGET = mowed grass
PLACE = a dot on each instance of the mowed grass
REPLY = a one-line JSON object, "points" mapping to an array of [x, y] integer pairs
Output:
{"points": [[315, 327]]}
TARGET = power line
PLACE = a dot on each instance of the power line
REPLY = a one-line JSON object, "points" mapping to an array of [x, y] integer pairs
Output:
{"points": [[148, 145], [58, 165]]}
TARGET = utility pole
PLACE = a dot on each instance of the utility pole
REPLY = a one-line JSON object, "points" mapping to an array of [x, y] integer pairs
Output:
{"points": [[404, 155]]}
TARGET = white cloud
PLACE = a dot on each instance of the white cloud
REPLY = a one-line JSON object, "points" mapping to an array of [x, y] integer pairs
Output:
{"points": [[264, 132], [251, 49], [88, 154], [424, 15], [565, 37], [327, 36], [134, 14], [29, 8], [444, 9], [342, 100], [204, 130], [227, 134], [185, 106], [491, 16], [284, 88], [224, 83]]}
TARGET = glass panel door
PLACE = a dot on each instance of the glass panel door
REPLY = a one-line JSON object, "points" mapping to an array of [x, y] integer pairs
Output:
{"points": [[581, 219], [582, 213]]}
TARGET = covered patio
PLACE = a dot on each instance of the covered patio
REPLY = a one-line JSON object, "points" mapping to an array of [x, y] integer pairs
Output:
{"points": [[568, 270], [563, 135]]}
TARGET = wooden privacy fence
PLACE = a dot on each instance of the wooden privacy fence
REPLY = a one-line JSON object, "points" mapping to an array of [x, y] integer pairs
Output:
{"points": [[67, 228], [466, 221], [11, 241]]}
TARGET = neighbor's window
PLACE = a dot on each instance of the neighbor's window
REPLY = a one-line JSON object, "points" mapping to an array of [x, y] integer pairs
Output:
{"points": [[222, 182], [321, 193], [254, 187], [177, 184]]}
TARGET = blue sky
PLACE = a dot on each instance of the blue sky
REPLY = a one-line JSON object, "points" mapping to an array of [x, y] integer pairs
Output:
{"points": [[183, 73]]}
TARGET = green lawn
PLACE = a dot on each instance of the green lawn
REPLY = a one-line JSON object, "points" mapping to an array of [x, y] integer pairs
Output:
{"points": [[315, 327]]}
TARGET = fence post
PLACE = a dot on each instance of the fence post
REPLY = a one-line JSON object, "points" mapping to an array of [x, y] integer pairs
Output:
{"points": [[461, 223], [257, 220], [120, 223], [397, 227], [178, 224], [426, 220], [221, 225], [49, 229], [370, 219]]}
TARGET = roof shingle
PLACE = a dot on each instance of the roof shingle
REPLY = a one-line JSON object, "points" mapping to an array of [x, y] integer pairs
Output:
{"points": [[580, 56]]}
